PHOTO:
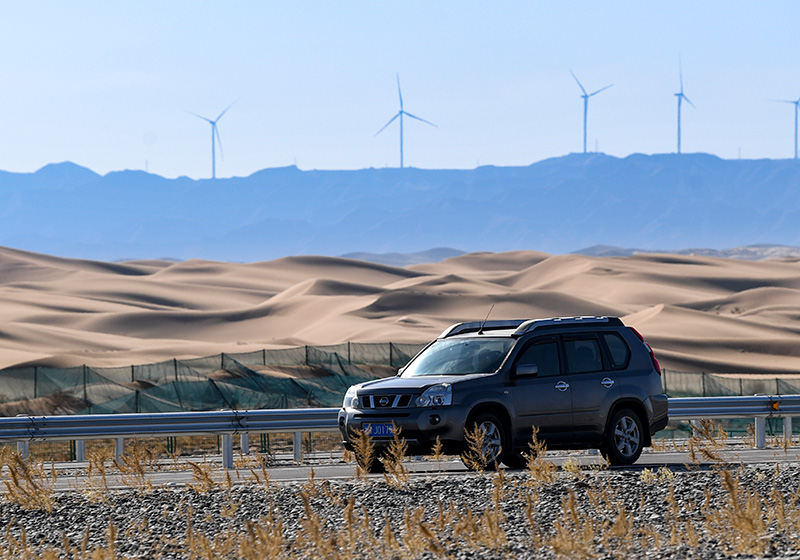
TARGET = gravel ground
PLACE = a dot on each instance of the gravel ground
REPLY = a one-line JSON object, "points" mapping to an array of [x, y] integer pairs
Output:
{"points": [[606, 514]]}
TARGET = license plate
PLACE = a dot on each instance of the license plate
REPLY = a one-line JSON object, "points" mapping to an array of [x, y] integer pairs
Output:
{"points": [[379, 430]]}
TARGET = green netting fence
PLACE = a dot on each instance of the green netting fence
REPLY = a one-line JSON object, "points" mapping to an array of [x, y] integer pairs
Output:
{"points": [[302, 376], [276, 378]]}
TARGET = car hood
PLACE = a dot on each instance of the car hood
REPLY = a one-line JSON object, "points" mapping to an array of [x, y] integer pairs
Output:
{"points": [[412, 383]]}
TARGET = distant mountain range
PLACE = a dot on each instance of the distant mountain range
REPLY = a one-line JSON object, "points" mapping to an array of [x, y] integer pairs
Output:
{"points": [[748, 253], [556, 205], [405, 259]]}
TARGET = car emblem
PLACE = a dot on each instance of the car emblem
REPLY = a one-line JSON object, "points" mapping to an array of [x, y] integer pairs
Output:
{"points": [[384, 401]]}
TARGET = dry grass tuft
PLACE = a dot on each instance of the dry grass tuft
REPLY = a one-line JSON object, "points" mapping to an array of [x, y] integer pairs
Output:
{"points": [[474, 456], [30, 485], [364, 451], [202, 474], [396, 474]]}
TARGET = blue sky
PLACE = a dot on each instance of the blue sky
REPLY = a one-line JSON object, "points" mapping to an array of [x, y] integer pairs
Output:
{"points": [[107, 84]]}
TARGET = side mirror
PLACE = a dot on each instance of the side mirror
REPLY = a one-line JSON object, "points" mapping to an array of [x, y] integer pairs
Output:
{"points": [[530, 370], [400, 371]]}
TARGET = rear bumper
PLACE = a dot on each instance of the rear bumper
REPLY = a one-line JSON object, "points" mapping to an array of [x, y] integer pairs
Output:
{"points": [[660, 417]]}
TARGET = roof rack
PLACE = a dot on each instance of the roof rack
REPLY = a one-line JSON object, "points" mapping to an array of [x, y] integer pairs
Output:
{"points": [[533, 324], [475, 326]]}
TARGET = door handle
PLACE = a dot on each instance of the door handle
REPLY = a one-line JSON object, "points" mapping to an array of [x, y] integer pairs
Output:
{"points": [[562, 385], [607, 382]]}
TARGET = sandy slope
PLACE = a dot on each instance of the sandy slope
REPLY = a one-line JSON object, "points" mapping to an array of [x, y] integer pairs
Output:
{"points": [[699, 313]]}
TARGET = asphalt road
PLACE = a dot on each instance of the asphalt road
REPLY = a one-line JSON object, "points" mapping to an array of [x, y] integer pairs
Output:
{"points": [[73, 476]]}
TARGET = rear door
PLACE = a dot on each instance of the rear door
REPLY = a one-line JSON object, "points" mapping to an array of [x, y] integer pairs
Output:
{"points": [[593, 381], [545, 399]]}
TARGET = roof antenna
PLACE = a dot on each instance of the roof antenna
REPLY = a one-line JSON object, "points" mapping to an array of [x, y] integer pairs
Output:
{"points": [[480, 330]]}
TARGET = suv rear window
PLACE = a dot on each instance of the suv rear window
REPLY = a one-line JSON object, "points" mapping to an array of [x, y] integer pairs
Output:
{"points": [[618, 349], [583, 355]]}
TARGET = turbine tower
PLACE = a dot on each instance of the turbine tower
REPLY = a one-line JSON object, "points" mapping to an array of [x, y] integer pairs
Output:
{"points": [[586, 97], [401, 113], [215, 139], [796, 104], [681, 97]]}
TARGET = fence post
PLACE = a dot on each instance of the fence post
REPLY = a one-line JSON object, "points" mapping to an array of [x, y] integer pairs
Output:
{"points": [[244, 442], [297, 447], [264, 356], [761, 433], [391, 362], [306, 348], [23, 449], [227, 451], [349, 358], [35, 382], [119, 448], [80, 450], [787, 429], [703, 379]]}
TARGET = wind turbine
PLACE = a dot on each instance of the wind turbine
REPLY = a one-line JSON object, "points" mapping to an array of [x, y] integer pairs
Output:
{"points": [[796, 104], [215, 139], [402, 112], [586, 97], [681, 97]]}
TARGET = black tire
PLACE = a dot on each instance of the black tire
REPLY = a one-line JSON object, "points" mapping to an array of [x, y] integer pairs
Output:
{"points": [[376, 466], [624, 438], [515, 460], [495, 442]]}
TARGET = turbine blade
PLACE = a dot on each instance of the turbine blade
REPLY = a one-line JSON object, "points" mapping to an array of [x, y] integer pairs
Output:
{"points": [[200, 116], [688, 100], [223, 112], [388, 123], [784, 101], [580, 85], [680, 71], [406, 113], [399, 93], [219, 141], [601, 89]]}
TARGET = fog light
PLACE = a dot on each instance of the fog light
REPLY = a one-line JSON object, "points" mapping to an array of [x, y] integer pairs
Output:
{"points": [[435, 419]]}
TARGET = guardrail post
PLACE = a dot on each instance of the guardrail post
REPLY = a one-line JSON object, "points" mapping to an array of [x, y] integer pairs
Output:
{"points": [[119, 448], [298, 447], [80, 450], [227, 451], [244, 442], [787, 429], [23, 449], [761, 433]]}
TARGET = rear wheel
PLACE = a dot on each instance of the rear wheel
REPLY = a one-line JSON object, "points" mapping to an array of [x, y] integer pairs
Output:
{"points": [[624, 439], [489, 439]]}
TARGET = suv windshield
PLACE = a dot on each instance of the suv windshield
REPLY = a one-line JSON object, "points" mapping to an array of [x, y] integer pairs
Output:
{"points": [[460, 356]]}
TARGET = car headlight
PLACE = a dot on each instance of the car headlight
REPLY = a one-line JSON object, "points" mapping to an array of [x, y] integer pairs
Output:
{"points": [[351, 398], [437, 395]]}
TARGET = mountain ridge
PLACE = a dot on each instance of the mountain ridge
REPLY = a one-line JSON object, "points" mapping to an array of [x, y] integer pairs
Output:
{"points": [[556, 205]]}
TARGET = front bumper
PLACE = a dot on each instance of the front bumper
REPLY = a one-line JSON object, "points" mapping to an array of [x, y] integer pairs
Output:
{"points": [[418, 426]]}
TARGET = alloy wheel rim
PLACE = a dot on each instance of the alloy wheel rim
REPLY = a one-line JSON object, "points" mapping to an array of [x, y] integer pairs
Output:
{"points": [[626, 436], [492, 442]]}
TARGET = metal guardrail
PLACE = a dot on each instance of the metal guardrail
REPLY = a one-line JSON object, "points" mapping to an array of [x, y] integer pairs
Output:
{"points": [[227, 423]]}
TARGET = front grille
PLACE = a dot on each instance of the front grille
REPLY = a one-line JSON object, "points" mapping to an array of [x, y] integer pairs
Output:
{"points": [[385, 401]]}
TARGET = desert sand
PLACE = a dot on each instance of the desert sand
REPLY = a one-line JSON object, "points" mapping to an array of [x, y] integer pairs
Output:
{"points": [[699, 313]]}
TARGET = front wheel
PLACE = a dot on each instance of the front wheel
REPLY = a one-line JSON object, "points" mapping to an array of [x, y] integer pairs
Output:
{"points": [[486, 440], [624, 439]]}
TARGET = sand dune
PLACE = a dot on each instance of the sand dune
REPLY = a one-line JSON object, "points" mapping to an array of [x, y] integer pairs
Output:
{"points": [[700, 313]]}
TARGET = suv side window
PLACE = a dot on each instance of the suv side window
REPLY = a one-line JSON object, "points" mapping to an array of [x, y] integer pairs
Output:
{"points": [[620, 353], [544, 354], [584, 354]]}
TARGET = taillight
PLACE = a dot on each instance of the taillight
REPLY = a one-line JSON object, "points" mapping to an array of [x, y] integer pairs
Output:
{"points": [[649, 350]]}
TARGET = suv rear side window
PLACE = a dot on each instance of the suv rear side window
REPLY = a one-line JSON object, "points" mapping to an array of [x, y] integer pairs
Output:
{"points": [[544, 355], [618, 349], [583, 355]]}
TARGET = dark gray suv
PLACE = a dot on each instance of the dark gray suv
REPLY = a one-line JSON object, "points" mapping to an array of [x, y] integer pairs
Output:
{"points": [[584, 382]]}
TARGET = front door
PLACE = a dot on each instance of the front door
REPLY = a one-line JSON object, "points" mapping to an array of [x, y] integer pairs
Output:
{"points": [[544, 399]]}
